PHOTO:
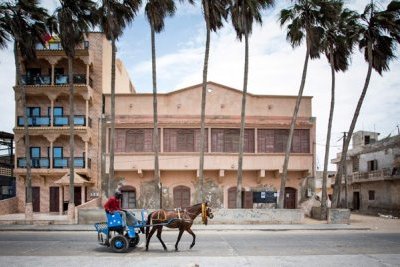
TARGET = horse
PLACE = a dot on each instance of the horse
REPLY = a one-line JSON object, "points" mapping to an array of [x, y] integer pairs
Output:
{"points": [[178, 218]]}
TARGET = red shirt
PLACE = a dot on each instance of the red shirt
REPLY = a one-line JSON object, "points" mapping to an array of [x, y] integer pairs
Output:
{"points": [[112, 204]]}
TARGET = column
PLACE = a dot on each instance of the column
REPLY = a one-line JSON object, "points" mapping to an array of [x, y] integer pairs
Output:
{"points": [[51, 154], [87, 113], [61, 199], [87, 74], [52, 112], [86, 154], [83, 194], [52, 74]]}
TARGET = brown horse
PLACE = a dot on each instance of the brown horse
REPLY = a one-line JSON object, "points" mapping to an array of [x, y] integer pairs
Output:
{"points": [[181, 219]]}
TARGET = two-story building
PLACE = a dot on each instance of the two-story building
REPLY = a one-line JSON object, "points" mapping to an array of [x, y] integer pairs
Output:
{"points": [[45, 81], [268, 120], [373, 169]]}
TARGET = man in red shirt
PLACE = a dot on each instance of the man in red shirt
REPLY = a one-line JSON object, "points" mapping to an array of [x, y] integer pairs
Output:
{"points": [[113, 205]]}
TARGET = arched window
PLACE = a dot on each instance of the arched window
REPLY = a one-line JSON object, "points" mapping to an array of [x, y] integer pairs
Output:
{"points": [[181, 196]]}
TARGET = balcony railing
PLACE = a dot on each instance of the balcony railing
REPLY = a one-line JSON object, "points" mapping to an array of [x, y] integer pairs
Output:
{"points": [[36, 163], [60, 121], [62, 163], [372, 175], [58, 46], [64, 79], [35, 121], [36, 80], [58, 163]]}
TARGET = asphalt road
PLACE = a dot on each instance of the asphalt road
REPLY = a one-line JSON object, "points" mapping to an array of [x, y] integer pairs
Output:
{"points": [[213, 248]]}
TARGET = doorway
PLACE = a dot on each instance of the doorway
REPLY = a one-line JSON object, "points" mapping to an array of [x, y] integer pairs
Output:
{"points": [[290, 198], [356, 200], [54, 199]]}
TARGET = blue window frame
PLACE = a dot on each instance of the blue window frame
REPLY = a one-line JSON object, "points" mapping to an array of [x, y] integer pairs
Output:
{"points": [[57, 152], [33, 111]]}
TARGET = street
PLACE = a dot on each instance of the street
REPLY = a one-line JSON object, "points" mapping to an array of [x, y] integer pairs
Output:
{"points": [[213, 248]]}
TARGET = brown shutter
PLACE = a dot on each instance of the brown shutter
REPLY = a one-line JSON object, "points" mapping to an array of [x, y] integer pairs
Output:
{"points": [[217, 140], [231, 140], [148, 139], [249, 141], [280, 140], [265, 140], [197, 137], [232, 198], [120, 140]]}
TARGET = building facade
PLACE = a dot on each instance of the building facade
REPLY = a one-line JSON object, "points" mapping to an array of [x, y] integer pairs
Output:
{"points": [[267, 127], [7, 179], [45, 81], [373, 169]]}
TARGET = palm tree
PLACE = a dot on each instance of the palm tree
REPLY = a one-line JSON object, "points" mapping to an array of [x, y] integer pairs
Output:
{"points": [[379, 36], [75, 18], [305, 19], [24, 22], [243, 14], [114, 16], [156, 12], [214, 12], [337, 44]]}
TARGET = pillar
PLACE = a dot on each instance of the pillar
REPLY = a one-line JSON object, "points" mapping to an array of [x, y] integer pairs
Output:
{"points": [[87, 74], [161, 140], [51, 154], [83, 194], [51, 112], [61, 200], [52, 74], [86, 154], [209, 140], [256, 140], [87, 113]]}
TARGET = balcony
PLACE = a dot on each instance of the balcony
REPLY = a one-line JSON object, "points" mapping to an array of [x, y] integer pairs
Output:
{"points": [[36, 163], [42, 121], [58, 163], [58, 46], [58, 121], [36, 80], [64, 79], [373, 176]]}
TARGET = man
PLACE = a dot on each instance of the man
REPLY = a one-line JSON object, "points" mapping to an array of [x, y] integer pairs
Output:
{"points": [[113, 205]]}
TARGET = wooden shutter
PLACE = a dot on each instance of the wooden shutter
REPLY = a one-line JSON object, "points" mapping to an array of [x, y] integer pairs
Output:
{"points": [[265, 138], [217, 140], [197, 137], [120, 135], [249, 141], [280, 140], [231, 140]]}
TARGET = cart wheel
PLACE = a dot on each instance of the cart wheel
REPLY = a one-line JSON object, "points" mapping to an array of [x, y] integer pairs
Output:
{"points": [[134, 241], [119, 243]]}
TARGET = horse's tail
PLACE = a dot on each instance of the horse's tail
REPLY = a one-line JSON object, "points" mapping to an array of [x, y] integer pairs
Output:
{"points": [[149, 221]]}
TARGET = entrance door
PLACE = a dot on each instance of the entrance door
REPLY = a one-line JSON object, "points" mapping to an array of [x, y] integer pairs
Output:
{"points": [[232, 198], [290, 198], [247, 199], [356, 200], [77, 195], [36, 198], [54, 199], [181, 196]]}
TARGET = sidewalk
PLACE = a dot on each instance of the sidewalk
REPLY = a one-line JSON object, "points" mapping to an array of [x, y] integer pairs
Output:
{"points": [[358, 222]]}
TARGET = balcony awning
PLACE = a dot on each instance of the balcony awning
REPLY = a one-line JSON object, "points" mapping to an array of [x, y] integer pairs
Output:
{"points": [[78, 180]]}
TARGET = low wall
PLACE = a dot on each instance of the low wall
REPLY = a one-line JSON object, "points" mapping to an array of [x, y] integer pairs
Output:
{"points": [[221, 216], [93, 204], [8, 206]]}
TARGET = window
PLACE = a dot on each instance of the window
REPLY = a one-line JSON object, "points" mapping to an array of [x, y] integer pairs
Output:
{"points": [[372, 165], [366, 140], [227, 140], [133, 140], [183, 140], [33, 111], [275, 140], [371, 195], [57, 111]]}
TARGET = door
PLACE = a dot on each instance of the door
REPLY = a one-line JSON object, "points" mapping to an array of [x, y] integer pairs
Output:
{"points": [[36, 198], [54, 199], [356, 200], [77, 195], [181, 196], [290, 198], [232, 198], [247, 199]]}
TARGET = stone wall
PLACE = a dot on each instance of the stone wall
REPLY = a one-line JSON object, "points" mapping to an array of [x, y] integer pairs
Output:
{"points": [[8, 206], [221, 216]]}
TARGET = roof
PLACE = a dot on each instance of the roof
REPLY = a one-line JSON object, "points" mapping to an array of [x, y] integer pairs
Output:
{"points": [[211, 83], [78, 180]]}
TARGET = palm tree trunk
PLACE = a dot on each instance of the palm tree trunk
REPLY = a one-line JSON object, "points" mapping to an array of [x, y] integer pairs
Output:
{"points": [[292, 125], [112, 133], [71, 205], [155, 115], [328, 141], [242, 119], [203, 102], [28, 181], [342, 165]]}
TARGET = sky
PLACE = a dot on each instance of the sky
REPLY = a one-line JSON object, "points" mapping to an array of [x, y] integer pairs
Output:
{"points": [[275, 68]]}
